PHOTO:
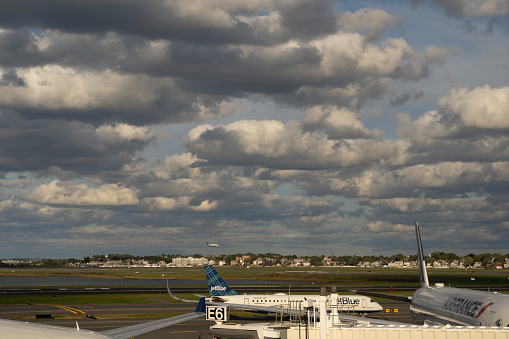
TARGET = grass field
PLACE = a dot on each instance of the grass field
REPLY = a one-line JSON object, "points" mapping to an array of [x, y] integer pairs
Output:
{"points": [[316, 275]]}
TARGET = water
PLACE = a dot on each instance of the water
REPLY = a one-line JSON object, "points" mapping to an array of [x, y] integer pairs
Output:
{"points": [[83, 281]]}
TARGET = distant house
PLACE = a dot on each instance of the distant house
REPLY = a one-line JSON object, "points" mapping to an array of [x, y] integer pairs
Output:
{"points": [[440, 264], [258, 262], [395, 264]]}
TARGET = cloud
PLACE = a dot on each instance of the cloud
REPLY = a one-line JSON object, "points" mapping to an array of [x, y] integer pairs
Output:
{"points": [[273, 144], [11, 78], [266, 103], [482, 107], [35, 145], [371, 20], [70, 193], [468, 125], [434, 179], [337, 123], [472, 8], [199, 21], [88, 95], [406, 96]]}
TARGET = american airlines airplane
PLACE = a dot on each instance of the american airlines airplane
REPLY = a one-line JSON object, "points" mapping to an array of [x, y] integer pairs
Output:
{"points": [[25, 330], [449, 305], [221, 293]]}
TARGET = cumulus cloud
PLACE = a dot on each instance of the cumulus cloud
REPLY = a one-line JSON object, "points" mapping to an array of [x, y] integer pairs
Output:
{"points": [[273, 144], [182, 203], [468, 125], [337, 123], [371, 20], [482, 107], [70, 193], [35, 145], [133, 98], [454, 176]]}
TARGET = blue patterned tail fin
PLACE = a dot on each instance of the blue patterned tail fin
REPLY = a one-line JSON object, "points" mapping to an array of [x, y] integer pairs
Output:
{"points": [[217, 286]]}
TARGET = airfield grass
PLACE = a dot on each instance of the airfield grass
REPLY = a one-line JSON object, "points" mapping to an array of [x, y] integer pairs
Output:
{"points": [[312, 275]]}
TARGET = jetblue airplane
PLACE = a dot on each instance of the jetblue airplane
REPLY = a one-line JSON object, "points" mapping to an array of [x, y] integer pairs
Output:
{"points": [[25, 330], [221, 293], [449, 305]]}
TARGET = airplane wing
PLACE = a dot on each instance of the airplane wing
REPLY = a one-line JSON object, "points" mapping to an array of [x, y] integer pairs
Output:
{"points": [[384, 295], [132, 331], [25, 330], [177, 298]]}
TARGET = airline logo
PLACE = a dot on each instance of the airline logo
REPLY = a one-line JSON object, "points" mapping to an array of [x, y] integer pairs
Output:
{"points": [[218, 288], [348, 301], [464, 306]]}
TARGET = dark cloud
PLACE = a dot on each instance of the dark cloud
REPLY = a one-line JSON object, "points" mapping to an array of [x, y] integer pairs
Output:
{"points": [[406, 96], [11, 78], [153, 20], [494, 11], [467, 8], [205, 23], [33, 145], [310, 19]]}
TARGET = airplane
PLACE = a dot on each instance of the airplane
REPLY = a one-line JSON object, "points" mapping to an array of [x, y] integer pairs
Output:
{"points": [[25, 330], [212, 245], [222, 294], [450, 305]]}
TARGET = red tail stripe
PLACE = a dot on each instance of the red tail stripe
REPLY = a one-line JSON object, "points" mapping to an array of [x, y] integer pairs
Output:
{"points": [[483, 309]]}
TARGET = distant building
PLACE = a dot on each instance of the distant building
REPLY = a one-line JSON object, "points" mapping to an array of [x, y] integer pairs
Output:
{"points": [[189, 261], [395, 264]]}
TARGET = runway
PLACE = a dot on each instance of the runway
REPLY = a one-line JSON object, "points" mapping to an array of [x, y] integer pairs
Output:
{"points": [[196, 328]]}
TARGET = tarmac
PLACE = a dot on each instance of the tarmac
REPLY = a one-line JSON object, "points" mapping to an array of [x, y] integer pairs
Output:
{"points": [[197, 328]]}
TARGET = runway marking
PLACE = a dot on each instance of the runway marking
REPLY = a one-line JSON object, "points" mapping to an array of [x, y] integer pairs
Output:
{"points": [[69, 309], [184, 332]]}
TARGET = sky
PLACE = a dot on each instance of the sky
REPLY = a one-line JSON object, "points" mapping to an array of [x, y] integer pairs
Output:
{"points": [[284, 126]]}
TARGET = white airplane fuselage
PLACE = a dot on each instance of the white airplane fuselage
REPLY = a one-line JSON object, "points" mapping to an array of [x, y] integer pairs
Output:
{"points": [[458, 306], [345, 303]]}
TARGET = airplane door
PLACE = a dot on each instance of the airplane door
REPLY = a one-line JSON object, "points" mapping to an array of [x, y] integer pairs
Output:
{"points": [[364, 303], [246, 301], [489, 318]]}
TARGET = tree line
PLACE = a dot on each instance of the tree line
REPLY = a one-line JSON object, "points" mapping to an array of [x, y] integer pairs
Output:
{"points": [[270, 258]]}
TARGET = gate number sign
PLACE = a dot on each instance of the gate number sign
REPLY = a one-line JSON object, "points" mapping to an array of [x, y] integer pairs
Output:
{"points": [[218, 313]]}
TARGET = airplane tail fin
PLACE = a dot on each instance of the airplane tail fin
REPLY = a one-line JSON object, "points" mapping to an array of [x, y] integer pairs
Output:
{"points": [[423, 274], [217, 286]]}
